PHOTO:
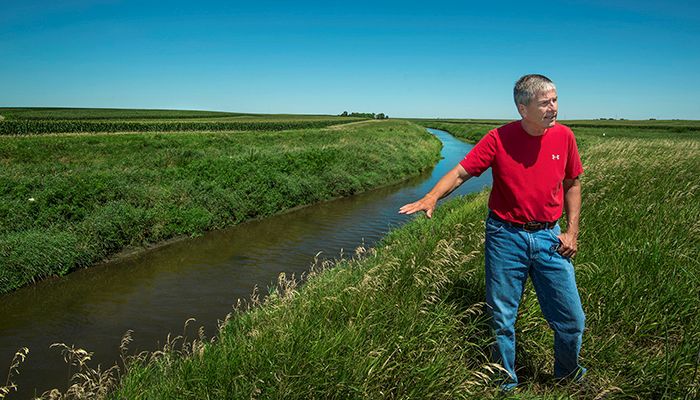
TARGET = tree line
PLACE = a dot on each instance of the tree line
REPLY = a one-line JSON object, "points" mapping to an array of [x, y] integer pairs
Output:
{"points": [[364, 115]]}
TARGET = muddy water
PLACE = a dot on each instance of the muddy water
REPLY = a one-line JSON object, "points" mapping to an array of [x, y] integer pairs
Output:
{"points": [[153, 293]]}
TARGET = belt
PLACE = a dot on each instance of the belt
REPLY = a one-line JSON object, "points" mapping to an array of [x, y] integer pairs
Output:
{"points": [[531, 226]]}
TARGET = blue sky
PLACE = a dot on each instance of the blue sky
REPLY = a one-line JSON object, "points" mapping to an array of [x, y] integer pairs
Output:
{"points": [[617, 59]]}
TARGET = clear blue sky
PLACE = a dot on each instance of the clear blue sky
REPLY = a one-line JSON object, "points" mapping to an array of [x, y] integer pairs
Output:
{"points": [[619, 59]]}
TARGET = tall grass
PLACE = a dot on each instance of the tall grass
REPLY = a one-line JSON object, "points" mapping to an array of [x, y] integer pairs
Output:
{"points": [[405, 320], [392, 323], [639, 264], [70, 201]]}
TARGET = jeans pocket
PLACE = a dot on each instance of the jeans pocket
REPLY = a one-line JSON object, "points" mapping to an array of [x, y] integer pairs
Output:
{"points": [[553, 233], [493, 226]]}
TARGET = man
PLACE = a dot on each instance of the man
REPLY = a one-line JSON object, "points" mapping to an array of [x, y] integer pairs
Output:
{"points": [[535, 165]]}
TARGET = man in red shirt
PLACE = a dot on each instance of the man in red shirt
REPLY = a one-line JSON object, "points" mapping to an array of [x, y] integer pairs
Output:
{"points": [[535, 165]]}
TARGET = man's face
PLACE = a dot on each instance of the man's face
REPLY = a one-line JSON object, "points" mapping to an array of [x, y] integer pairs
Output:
{"points": [[542, 110]]}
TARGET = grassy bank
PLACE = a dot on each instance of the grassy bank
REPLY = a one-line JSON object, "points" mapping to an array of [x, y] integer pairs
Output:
{"points": [[69, 201], [406, 321]]}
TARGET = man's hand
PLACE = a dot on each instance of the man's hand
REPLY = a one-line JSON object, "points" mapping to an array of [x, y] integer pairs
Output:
{"points": [[448, 183], [572, 206], [427, 204], [568, 245]]}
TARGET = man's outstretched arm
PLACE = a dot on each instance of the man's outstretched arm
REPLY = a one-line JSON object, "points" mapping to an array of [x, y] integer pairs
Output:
{"points": [[572, 206], [446, 185]]}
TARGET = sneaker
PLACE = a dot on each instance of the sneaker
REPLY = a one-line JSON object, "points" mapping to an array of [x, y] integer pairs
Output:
{"points": [[507, 387], [575, 377], [580, 383]]}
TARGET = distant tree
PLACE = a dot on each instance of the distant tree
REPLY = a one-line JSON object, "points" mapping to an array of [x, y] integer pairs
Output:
{"points": [[364, 115], [652, 119]]}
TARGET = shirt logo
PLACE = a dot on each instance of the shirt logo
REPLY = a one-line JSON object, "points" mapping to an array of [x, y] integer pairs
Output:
{"points": [[555, 156]]}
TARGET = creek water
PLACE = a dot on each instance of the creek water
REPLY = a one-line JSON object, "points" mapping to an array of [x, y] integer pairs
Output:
{"points": [[154, 292]]}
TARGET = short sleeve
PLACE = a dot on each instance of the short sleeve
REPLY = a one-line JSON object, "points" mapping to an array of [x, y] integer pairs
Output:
{"points": [[574, 168], [480, 158]]}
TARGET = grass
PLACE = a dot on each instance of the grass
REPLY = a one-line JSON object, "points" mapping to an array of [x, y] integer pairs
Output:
{"points": [[382, 325], [405, 320], [69, 201]]}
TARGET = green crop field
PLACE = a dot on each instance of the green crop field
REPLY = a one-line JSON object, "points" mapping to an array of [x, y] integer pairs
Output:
{"points": [[69, 201], [406, 320], [128, 114], [32, 121], [106, 113]]}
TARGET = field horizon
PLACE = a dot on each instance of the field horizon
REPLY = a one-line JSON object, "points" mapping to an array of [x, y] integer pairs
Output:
{"points": [[223, 113]]}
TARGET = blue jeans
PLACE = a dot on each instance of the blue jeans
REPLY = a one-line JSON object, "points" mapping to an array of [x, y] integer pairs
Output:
{"points": [[511, 255]]}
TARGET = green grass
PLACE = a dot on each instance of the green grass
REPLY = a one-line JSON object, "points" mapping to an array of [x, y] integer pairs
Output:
{"points": [[406, 319], [69, 201], [392, 325]]}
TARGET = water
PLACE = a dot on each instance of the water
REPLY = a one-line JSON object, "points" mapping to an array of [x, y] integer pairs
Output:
{"points": [[154, 292]]}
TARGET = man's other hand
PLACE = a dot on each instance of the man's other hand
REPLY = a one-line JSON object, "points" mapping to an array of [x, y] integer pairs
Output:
{"points": [[568, 246], [426, 204]]}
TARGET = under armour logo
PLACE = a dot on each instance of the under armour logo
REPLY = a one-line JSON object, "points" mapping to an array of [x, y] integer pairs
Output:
{"points": [[555, 156]]}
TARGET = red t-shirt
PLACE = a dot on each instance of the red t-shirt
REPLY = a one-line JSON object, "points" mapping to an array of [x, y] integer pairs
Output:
{"points": [[527, 170]]}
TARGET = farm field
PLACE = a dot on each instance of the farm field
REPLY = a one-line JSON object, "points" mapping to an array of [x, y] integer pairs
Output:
{"points": [[406, 319], [16, 114], [73, 200], [31, 121]]}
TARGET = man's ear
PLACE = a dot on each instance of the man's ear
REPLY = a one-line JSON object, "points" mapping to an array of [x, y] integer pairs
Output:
{"points": [[522, 110]]}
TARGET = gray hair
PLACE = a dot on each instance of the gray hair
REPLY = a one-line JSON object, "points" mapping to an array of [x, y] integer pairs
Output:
{"points": [[527, 87]]}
